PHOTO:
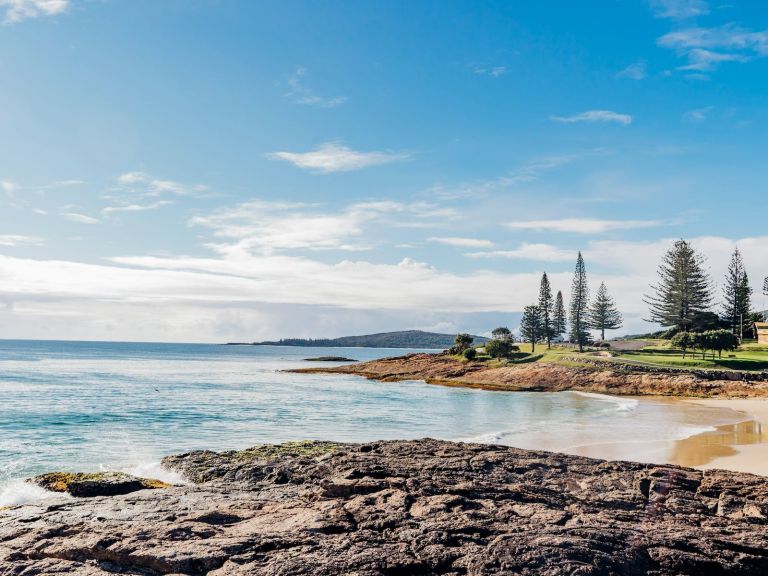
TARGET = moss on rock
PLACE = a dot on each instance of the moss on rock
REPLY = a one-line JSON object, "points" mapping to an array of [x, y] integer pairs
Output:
{"points": [[87, 484]]}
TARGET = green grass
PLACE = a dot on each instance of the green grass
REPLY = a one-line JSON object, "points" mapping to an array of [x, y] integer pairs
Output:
{"points": [[750, 357]]}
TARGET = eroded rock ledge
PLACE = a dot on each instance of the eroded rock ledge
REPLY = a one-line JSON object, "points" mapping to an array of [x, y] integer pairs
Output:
{"points": [[586, 376], [402, 508]]}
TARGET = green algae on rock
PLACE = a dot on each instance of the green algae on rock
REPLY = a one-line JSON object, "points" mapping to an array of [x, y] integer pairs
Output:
{"points": [[86, 485]]}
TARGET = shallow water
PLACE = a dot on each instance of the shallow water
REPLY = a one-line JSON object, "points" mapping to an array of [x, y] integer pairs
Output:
{"points": [[92, 406]]}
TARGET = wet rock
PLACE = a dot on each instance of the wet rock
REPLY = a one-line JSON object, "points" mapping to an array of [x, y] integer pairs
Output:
{"points": [[402, 508], [87, 485]]}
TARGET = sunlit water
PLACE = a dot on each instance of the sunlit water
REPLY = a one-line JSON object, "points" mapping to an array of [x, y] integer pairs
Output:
{"points": [[92, 406]]}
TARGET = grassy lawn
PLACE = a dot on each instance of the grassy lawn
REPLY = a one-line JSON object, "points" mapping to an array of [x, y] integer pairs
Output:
{"points": [[750, 357]]}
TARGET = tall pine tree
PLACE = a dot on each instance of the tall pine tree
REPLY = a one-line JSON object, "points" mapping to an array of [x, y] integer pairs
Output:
{"points": [[683, 291], [559, 319], [546, 307], [579, 305], [531, 326], [736, 294], [603, 314]]}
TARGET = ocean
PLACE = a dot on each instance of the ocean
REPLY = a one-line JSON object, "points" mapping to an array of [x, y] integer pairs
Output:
{"points": [[89, 406]]}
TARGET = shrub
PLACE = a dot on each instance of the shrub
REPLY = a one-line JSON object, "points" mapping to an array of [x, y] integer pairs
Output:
{"points": [[684, 341], [499, 348], [462, 342], [470, 353]]}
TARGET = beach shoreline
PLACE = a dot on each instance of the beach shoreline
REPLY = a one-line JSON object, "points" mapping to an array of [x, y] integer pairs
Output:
{"points": [[741, 447]]}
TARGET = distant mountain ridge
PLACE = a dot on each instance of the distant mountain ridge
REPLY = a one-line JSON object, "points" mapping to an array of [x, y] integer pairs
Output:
{"points": [[401, 339]]}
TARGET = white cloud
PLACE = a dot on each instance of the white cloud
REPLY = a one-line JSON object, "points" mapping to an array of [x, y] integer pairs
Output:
{"points": [[135, 207], [80, 218], [635, 71], [526, 251], [583, 225], [595, 116], [266, 227], [461, 242], [197, 295], [8, 187], [300, 94], [705, 48], [18, 10], [146, 185], [698, 114], [493, 71], [19, 240], [334, 157], [679, 9]]}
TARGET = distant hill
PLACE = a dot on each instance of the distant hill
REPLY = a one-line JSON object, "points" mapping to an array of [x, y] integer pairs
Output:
{"points": [[402, 339]]}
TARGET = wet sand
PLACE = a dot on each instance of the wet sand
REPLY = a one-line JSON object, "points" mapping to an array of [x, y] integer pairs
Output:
{"points": [[741, 447]]}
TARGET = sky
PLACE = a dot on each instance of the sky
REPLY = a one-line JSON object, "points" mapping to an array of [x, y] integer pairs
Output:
{"points": [[228, 170]]}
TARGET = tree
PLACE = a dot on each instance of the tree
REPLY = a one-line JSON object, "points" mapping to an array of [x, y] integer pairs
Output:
{"points": [[532, 326], [499, 348], [684, 341], [722, 340], [702, 341], [546, 307], [470, 353], [684, 288], [502, 333], [579, 305], [736, 294], [558, 318], [462, 342], [603, 314]]}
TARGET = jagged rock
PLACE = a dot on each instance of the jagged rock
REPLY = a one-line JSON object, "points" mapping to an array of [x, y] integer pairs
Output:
{"points": [[403, 508], [586, 375], [87, 485]]}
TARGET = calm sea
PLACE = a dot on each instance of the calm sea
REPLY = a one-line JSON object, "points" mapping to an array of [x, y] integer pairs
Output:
{"points": [[99, 405]]}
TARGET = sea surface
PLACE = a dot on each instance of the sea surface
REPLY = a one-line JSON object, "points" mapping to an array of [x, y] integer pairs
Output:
{"points": [[89, 406]]}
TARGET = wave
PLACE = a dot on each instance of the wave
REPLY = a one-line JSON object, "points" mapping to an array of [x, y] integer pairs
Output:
{"points": [[622, 404], [19, 492]]}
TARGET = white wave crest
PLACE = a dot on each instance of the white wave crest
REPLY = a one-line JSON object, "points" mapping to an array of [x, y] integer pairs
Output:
{"points": [[19, 492], [622, 404]]}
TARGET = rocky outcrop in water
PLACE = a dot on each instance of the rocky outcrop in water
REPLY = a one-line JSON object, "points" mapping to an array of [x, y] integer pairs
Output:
{"points": [[402, 508], [87, 485], [585, 376]]}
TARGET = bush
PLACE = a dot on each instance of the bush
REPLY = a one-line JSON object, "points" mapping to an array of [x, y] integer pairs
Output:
{"points": [[499, 348], [470, 353], [462, 342]]}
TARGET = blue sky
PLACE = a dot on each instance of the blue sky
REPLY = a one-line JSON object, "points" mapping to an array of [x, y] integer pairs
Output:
{"points": [[216, 169]]}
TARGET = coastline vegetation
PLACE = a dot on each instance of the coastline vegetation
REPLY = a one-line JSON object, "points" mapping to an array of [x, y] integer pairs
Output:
{"points": [[682, 302]]}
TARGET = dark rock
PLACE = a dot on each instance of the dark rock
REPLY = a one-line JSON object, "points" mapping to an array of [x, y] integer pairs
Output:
{"points": [[403, 508], [330, 359]]}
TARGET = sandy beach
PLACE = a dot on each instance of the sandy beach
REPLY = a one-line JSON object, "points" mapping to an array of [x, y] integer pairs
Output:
{"points": [[742, 447]]}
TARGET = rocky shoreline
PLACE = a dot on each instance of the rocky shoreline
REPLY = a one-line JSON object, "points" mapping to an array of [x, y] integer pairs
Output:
{"points": [[589, 376], [401, 508]]}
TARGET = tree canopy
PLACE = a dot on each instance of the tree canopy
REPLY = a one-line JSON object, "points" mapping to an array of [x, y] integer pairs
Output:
{"points": [[532, 326], [683, 290], [736, 294], [579, 305], [603, 314], [546, 307]]}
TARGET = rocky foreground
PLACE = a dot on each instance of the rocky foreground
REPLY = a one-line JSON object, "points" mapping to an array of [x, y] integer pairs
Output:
{"points": [[585, 376], [401, 508]]}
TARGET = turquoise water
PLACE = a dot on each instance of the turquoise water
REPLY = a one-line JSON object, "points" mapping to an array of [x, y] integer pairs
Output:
{"points": [[93, 406]]}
